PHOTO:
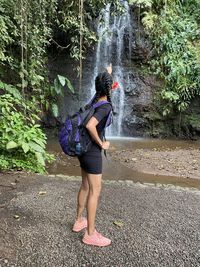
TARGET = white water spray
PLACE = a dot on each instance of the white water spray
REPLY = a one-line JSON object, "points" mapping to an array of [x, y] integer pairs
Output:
{"points": [[111, 32]]}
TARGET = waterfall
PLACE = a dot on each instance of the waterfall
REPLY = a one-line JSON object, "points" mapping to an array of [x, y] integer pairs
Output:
{"points": [[111, 32]]}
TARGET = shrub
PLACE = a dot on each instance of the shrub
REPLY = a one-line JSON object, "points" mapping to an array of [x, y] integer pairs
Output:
{"points": [[22, 141]]}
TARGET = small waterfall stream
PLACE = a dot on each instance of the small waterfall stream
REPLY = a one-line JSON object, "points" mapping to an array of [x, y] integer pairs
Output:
{"points": [[111, 32]]}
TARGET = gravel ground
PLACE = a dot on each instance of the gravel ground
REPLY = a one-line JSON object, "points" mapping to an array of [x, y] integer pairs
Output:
{"points": [[157, 225]]}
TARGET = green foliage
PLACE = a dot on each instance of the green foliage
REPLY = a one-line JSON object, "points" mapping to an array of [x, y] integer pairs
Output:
{"points": [[25, 33], [173, 27], [193, 120], [60, 83], [11, 90], [149, 20], [22, 142], [68, 21], [63, 81], [142, 3]]}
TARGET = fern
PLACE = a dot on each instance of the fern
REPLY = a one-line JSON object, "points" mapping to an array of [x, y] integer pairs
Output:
{"points": [[8, 88]]}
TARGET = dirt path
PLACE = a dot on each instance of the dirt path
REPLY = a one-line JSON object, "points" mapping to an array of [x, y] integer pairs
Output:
{"points": [[149, 225], [172, 162]]}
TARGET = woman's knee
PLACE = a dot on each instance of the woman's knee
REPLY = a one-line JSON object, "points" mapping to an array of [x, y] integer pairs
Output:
{"points": [[95, 190], [94, 181], [85, 186]]}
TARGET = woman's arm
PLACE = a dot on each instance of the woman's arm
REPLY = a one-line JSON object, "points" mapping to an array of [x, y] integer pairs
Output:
{"points": [[91, 127]]}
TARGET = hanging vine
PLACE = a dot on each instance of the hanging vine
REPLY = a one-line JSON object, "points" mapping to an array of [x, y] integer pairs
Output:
{"points": [[81, 45], [22, 48]]}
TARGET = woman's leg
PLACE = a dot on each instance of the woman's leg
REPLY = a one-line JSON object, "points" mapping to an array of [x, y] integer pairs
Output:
{"points": [[82, 195], [94, 181]]}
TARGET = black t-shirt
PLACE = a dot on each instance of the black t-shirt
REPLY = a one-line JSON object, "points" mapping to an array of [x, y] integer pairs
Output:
{"points": [[101, 114]]}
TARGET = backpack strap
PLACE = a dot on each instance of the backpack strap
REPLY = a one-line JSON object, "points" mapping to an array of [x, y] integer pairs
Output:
{"points": [[100, 103], [109, 119], [91, 100], [74, 123], [104, 138]]}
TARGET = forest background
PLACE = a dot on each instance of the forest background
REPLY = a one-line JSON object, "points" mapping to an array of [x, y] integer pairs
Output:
{"points": [[30, 30]]}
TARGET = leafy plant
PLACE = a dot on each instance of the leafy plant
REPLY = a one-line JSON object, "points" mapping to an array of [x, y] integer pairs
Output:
{"points": [[173, 28], [8, 88], [22, 142], [142, 3], [60, 83]]}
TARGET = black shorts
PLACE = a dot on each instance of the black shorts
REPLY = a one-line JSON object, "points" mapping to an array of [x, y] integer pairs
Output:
{"points": [[91, 163]]}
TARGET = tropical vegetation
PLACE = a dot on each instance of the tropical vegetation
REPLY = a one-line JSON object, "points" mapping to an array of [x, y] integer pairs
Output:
{"points": [[28, 28], [174, 30]]}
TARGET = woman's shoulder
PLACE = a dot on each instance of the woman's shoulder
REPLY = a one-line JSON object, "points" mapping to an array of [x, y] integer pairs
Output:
{"points": [[105, 106], [102, 111]]}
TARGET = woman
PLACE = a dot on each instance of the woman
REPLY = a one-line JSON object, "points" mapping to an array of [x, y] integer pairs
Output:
{"points": [[91, 164]]}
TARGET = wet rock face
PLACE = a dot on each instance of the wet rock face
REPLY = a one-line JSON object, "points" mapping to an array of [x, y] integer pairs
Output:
{"points": [[138, 101], [133, 125], [138, 88]]}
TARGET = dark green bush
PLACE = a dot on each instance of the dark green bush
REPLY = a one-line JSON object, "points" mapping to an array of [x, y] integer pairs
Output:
{"points": [[22, 141]]}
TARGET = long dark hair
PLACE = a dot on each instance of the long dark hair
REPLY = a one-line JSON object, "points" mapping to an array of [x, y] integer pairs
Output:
{"points": [[103, 86]]}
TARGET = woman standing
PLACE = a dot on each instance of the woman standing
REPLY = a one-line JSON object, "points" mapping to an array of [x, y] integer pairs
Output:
{"points": [[91, 164]]}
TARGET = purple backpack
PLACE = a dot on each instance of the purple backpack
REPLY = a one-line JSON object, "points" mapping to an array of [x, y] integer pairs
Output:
{"points": [[74, 138]]}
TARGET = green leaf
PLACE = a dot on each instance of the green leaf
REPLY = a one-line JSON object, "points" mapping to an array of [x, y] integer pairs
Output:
{"points": [[55, 110], [146, 3], [40, 142], [57, 86], [69, 85], [11, 90], [36, 147], [62, 80], [40, 158], [11, 145], [41, 78], [25, 147]]}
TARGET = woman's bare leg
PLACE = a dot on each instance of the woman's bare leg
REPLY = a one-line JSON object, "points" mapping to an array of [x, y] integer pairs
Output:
{"points": [[82, 195], [94, 181]]}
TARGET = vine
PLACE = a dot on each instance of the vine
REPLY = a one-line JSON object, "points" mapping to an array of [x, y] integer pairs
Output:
{"points": [[81, 44]]}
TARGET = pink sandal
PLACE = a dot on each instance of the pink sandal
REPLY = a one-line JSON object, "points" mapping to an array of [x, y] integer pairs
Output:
{"points": [[78, 226], [96, 239]]}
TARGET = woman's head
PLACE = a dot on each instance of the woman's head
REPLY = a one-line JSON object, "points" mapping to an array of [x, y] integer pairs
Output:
{"points": [[103, 84]]}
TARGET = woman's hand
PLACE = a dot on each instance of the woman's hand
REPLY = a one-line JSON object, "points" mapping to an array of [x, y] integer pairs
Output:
{"points": [[91, 127], [109, 69], [105, 145]]}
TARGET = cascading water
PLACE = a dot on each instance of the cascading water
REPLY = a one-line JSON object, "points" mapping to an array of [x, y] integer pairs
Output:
{"points": [[111, 32]]}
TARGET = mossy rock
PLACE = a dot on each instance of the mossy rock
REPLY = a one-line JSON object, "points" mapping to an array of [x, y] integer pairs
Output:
{"points": [[153, 116]]}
